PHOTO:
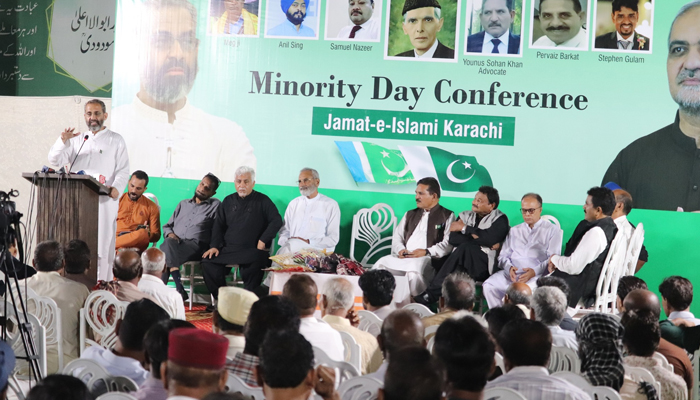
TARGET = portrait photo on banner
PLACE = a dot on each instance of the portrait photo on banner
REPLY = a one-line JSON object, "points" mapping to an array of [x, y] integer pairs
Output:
{"points": [[234, 17], [559, 24], [166, 135], [354, 20], [292, 19], [422, 30], [494, 28], [624, 26]]}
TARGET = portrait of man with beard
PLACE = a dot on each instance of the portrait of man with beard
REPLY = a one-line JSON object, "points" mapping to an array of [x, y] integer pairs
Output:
{"points": [[165, 134], [296, 11]]}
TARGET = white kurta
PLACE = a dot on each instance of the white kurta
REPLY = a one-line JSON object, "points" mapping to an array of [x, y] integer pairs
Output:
{"points": [[624, 228], [589, 248], [317, 220], [194, 144], [104, 153]]}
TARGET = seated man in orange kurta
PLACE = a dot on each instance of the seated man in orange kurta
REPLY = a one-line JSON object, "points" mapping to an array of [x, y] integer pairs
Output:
{"points": [[138, 221]]}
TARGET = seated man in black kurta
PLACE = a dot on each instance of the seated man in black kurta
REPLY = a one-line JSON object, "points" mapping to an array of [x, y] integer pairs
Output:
{"points": [[245, 224], [585, 252], [473, 235]]}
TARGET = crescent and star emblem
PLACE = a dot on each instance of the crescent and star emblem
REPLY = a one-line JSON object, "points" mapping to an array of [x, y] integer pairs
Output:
{"points": [[399, 174], [453, 178]]}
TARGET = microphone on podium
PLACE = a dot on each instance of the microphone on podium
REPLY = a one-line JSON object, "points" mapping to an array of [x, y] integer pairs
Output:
{"points": [[76, 155]]}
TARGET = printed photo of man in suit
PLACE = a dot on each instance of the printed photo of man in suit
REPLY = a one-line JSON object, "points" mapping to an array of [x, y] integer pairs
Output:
{"points": [[422, 20], [496, 38], [625, 14]]}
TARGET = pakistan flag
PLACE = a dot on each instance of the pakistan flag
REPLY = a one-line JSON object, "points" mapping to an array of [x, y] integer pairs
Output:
{"points": [[454, 172], [369, 162]]}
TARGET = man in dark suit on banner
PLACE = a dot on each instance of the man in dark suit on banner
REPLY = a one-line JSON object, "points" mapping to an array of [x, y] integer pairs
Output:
{"points": [[496, 38], [422, 20], [625, 16]]}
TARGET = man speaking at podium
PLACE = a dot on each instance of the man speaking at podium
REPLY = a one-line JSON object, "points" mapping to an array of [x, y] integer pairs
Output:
{"points": [[104, 154]]}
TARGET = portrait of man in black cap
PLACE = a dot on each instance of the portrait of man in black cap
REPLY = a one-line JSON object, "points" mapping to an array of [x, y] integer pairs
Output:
{"points": [[422, 20]]}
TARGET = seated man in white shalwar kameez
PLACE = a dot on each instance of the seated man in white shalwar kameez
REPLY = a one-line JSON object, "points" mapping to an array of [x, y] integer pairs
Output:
{"points": [[420, 242], [525, 252], [312, 220]]}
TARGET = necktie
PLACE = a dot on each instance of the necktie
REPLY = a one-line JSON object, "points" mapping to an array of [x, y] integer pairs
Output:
{"points": [[354, 31], [495, 42], [623, 44]]}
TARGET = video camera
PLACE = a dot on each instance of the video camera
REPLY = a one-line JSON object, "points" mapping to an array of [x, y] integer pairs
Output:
{"points": [[8, 213]]}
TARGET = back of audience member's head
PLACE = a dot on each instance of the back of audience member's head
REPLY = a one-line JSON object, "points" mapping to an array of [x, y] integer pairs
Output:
{"points": [[196, 363], [48, 256], [677, 291], [153, 261], [127, 265], [267, 314], [377, 287], [155, 343], [519, 293], [77, 255], [402, 328], [286, 359], [60, 387], [554, 281], [642, 332], [413, 374], [301, 290], [498, 317], [226, 396], [641, 299], [139, 317], [525, 342], [549, 305], [338, 295], [232, 309], [628, 283], [458, 291], [599, 338], [467, 352]]}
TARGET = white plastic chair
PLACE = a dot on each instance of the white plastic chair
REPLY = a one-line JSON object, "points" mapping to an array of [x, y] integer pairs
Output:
{"points": [[345, 369], [500, 393], [662, 361], [551, 219], [122, 384], [564, 359], [369, 322], [430, 331], [596, 392], [639, 374], [49, 315], [613, 268], [87, 371], [369, 225], [15, 387], [634, 249], [116, 396], [419, 309], [152, 197], [95, 314], [235, 384], [352, 350], [14, 339], [359, 388], [500, 363]]}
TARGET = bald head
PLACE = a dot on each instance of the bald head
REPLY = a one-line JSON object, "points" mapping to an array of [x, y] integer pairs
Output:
{"points": [[640, 300], [337, 297], [127, 266], [623, 203], [402, 328], [518, 293], [153, 261]]}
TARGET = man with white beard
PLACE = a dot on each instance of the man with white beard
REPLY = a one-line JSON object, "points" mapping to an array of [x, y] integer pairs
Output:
{"points": [[312, 220], [165, 134], [103, 153]]}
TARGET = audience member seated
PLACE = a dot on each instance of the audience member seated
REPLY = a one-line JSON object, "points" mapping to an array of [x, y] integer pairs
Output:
{"points": [[271, 313], [286, 370], [59, 387], [230, 317], [526, 347], [77, 254], [498, 317], [68, 295], [413, 374], [378, 292], [301, 290], [476, 236], [155, 346], [138, 220], [7, 366], [586, 250], [676, 297], [127, 272], [312, 220], [458, 292], [336, 302], [400, 329], [519, 295], [420, 245], [246, 223], [623, 207], [549, 307], [195, 366], [464, 347], [525, 252], [641, 339], [153, 262], [11, 265], [188, 232], [643, 300], [127, 356], [568, 323], [625, 285]]}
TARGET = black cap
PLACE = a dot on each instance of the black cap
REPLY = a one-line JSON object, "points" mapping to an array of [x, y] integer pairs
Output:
{"points": [[413, 4]]}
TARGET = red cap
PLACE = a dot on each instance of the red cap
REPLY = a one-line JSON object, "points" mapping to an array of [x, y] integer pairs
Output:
{"points": [[191, 347]]}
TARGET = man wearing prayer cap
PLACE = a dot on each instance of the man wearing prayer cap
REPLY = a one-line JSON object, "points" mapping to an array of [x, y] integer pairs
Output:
{"points": [[195, 366], [295, 10], [231, 315], [422, 20], [7, 365]]}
